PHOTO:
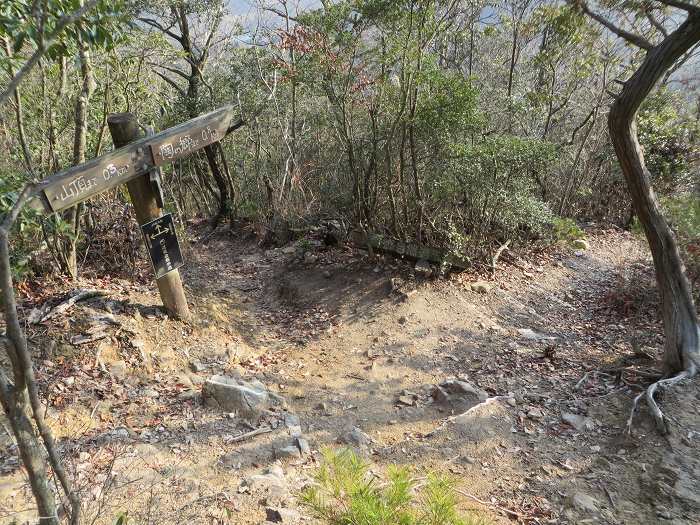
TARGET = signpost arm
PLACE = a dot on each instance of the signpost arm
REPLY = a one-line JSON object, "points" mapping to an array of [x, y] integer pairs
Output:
{"points": [[124, 129]]}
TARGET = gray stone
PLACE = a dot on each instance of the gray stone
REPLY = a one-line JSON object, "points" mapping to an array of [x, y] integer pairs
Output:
{"points": [[455, 386], [290, 451], [248, 399], [440, 395], [406, 400], [291, 420], [580, 423], [188, 395], [528, 333], [197, 367], [304, 447], [583, 502], [356, 437]]}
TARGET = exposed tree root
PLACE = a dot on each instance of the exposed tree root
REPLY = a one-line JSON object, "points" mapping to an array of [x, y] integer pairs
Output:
{"points": [[659, 418]]}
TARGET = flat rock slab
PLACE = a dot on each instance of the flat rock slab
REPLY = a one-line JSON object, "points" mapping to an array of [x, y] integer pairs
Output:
{"points": [[246, 398]]}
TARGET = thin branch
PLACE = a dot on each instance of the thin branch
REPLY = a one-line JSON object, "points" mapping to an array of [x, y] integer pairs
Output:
{"points": [[279, 13], [159, 27], [630, 37], [654, 22], [679, 4], [44, 45], [172, 83], [171, 69]]}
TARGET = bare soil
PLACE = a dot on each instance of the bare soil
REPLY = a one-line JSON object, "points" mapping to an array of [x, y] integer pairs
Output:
{"points": [[351, 341]]}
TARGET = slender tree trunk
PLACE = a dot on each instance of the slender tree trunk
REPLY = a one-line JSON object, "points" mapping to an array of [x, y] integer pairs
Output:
{"points": [[73, 214], [19, 112], [677, 308], [16, 408], [221, 184]]}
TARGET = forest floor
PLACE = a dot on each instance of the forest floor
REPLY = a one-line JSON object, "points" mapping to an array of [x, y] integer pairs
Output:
{"points": [[560, 338]]}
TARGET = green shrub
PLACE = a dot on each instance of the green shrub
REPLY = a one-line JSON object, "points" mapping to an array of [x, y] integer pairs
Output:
{"points": [[683, 212], [565, 229], [347, 493]]}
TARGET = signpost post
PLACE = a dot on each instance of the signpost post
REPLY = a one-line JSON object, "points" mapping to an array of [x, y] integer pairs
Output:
{"points": [[124, 129]]}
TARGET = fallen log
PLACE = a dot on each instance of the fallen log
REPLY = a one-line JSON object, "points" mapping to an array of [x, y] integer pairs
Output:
{"points": [[412, 251]]}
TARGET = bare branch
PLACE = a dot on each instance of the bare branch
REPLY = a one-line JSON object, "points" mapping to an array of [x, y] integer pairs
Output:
{"points": [[679, 4], [654, 22], [632, 38], [172, 83], [160, 27], [280, 13], [171, 69], [44, 44]]}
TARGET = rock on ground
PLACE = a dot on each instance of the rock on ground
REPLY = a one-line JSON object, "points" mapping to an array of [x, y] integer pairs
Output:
{"points": [[246, 398]]}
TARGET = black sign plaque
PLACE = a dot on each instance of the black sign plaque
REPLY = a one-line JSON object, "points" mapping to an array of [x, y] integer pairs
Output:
{"points": [[161, 241]]}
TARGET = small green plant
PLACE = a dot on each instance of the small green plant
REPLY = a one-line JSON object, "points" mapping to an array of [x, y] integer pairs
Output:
{"points": [[122, 518], [304, 244], [564, 229], [347, 493]]}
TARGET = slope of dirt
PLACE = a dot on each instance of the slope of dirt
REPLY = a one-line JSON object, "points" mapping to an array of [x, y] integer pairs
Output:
{"points": [[560, 341]]}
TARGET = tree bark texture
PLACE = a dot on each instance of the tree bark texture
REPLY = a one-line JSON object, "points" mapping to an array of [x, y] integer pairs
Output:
{"points": [[677, 308]]}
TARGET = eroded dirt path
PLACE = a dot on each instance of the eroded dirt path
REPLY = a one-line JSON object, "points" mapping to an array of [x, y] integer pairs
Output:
{"points": [[358, 344]]}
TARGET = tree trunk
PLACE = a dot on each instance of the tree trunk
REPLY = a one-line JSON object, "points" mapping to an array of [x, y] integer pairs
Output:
{"points": [[16, 408], [677, 308], [224, 210]]}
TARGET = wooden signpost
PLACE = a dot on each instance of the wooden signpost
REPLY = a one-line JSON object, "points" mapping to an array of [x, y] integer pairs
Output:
{"points": [[79, 183], [136, 163]]}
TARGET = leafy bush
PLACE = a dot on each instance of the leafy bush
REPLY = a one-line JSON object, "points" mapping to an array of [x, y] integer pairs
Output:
{"points": [[667, 141], [347, 493], [565, 229], [26, 238], [491, 190], [683, 212]]}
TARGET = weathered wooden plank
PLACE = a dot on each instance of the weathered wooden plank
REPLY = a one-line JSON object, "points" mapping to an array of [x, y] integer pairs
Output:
{"points": [[69, 187], [411, 251], [171, 148]]}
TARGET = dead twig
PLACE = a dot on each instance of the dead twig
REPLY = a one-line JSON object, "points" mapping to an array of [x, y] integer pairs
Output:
{"points": [[492, 505], [607, 493], [497, 255], [44, 314], [248, 435]]}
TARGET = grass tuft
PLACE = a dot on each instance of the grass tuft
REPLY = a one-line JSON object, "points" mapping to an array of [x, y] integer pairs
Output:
{"points": [[346, 492]]}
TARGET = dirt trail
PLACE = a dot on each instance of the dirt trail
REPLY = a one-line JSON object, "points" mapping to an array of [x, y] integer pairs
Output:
{"points": [[350, 344]]}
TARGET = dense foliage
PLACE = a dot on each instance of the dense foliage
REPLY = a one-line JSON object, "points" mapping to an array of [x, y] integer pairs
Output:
{"points": [[453, 124]]}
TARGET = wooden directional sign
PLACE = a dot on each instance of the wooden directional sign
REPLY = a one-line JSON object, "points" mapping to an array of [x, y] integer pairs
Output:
{"points": [[162, 244], [172, 147], [76, 184]]}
